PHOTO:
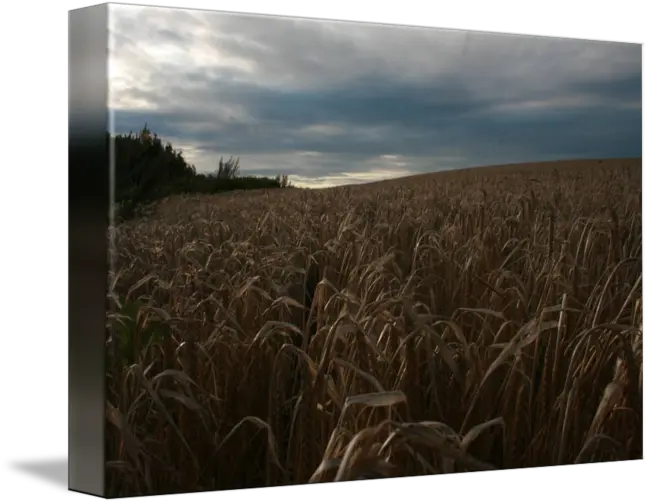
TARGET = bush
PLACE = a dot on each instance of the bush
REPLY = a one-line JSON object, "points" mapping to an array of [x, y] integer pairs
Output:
{"points": [[146, 170]]}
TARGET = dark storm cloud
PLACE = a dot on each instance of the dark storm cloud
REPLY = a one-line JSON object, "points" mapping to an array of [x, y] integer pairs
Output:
{"points": [[272, 90], [415, 119]]}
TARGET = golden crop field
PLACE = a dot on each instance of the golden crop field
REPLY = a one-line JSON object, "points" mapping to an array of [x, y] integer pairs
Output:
{"points": [[481, 319]]}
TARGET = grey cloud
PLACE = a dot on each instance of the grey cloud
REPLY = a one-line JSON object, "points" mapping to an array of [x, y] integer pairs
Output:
{"points": [[260, 87], [400, 109], [347, 50], [170, 35]]}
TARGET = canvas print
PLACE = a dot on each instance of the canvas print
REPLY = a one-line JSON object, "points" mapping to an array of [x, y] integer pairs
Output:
{"points": [[343, 251]]}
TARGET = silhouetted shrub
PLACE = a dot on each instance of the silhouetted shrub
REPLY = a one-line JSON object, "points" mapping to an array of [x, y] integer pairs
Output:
{"points": [[147, 169]]}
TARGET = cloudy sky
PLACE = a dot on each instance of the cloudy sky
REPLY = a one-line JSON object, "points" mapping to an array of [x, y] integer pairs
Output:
{"points": [[332, 103]]}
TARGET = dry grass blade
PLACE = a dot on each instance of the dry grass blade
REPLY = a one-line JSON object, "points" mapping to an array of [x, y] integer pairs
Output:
{"points": [[611, 397], [163, 314], [175, 374], [593, 446], [272, 326], [354, 453], [160, 405], [132, 444], [565, 422], [365, 375], [139, 284], [286, 301], [475, 432], [379, 399], [447, 354], [326, 468], [525, 336], [484, 311], [187, 402], [422, 434], [258, 423]]}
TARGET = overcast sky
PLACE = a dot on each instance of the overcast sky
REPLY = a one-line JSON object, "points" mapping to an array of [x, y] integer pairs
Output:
{"points": [[333, 103]]}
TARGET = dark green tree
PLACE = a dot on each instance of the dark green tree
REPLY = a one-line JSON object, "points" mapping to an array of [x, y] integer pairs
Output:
{"points": [[146, 169]]}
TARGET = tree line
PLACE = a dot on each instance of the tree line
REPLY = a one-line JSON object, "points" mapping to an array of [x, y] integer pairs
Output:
{"points": [[148, 169]]}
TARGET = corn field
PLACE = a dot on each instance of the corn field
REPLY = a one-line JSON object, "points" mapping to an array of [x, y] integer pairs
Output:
{"points": [[461, 321]]}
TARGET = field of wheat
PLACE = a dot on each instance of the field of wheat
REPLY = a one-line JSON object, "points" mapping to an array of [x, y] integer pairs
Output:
{"points": [[463, 321]]}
